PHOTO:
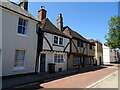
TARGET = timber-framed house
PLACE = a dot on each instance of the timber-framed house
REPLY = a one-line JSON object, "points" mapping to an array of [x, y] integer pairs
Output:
{"points": [[53, 44], [81, 50]]}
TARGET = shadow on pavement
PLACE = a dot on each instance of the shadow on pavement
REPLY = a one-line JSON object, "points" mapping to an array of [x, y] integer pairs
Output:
{"points": [[27, 87], [108, 65]]}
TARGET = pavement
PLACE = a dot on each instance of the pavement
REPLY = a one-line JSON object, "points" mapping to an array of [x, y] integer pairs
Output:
{"points": [[67, 79], [109, 82]]}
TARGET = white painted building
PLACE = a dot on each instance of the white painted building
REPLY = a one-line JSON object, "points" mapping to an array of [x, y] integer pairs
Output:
{"points": [[109, 55], [19, 39], [55, 45]]}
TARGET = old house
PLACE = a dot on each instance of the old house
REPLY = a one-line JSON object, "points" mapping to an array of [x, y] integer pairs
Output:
{"points": [[19, 38], [81, 50], [53, 44], [98, 51]]}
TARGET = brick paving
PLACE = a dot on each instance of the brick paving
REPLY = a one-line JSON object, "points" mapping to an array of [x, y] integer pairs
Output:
{"points": [[81, 80]]}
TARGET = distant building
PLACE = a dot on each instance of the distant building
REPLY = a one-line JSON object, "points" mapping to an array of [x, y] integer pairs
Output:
{"points": [[98, 51], [110, 55]]}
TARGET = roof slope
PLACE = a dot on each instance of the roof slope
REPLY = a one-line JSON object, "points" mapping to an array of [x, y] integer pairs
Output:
{"points": [[94, 41], [68, 31], [48, 26], [15, 8]]}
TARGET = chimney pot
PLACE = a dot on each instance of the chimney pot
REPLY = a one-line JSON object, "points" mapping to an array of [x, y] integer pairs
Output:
{"points": [[42, 7]]}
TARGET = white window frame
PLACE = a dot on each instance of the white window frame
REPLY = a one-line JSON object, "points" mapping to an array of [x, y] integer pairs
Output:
{"points": [[20, 67], [58, 40], [60, 58], [22, 26]]}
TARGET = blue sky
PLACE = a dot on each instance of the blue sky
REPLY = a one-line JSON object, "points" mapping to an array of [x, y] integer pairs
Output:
{"points": [[90, 19]]}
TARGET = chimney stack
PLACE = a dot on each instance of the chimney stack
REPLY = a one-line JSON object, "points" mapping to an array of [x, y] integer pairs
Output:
{"points": [[42, 13], [24, 4], [60, 22]]}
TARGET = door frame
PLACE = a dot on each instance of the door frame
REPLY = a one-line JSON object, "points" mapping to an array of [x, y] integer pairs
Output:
{"points": [[44, 63]]}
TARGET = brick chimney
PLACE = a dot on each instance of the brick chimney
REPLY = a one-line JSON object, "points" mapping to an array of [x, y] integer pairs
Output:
{"points": [[24, 4], [42, 13], [60, 22]]}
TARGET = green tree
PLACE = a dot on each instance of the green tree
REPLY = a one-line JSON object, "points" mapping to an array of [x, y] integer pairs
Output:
{"points": [[113, 36]]}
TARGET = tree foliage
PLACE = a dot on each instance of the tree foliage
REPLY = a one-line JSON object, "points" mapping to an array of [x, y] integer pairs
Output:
{"points": [[113, 36]]}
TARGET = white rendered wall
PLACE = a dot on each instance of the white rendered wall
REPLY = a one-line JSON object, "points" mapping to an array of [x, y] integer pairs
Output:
{"points": [[13, 41], [106, 54]]}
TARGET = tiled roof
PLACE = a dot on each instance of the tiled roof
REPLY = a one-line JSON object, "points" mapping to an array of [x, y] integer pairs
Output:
{"points": [[68, 31], [48, 26], [15, 8], [94, 41]]}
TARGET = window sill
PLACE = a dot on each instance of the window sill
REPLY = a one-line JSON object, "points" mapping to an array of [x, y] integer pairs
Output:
{"points": [[22, 35], [58, 45], [19, 69], [60, 63]]}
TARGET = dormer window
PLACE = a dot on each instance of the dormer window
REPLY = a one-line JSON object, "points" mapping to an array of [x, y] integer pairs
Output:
{"points": [[57, 40], [22, 26]]}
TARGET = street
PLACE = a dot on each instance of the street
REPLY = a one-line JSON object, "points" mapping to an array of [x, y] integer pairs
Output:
{"points": [[83, 80]]}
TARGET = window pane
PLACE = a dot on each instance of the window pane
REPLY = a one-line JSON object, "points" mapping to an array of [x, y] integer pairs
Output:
{"points": [[55, 40], [58, 56], [61, 56], [22, 55], [19, 29], [61, 41], [55, 58], [59, 60], [23, 30], [24, 22], [20, 21], [62, 61], [81, 44]]}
